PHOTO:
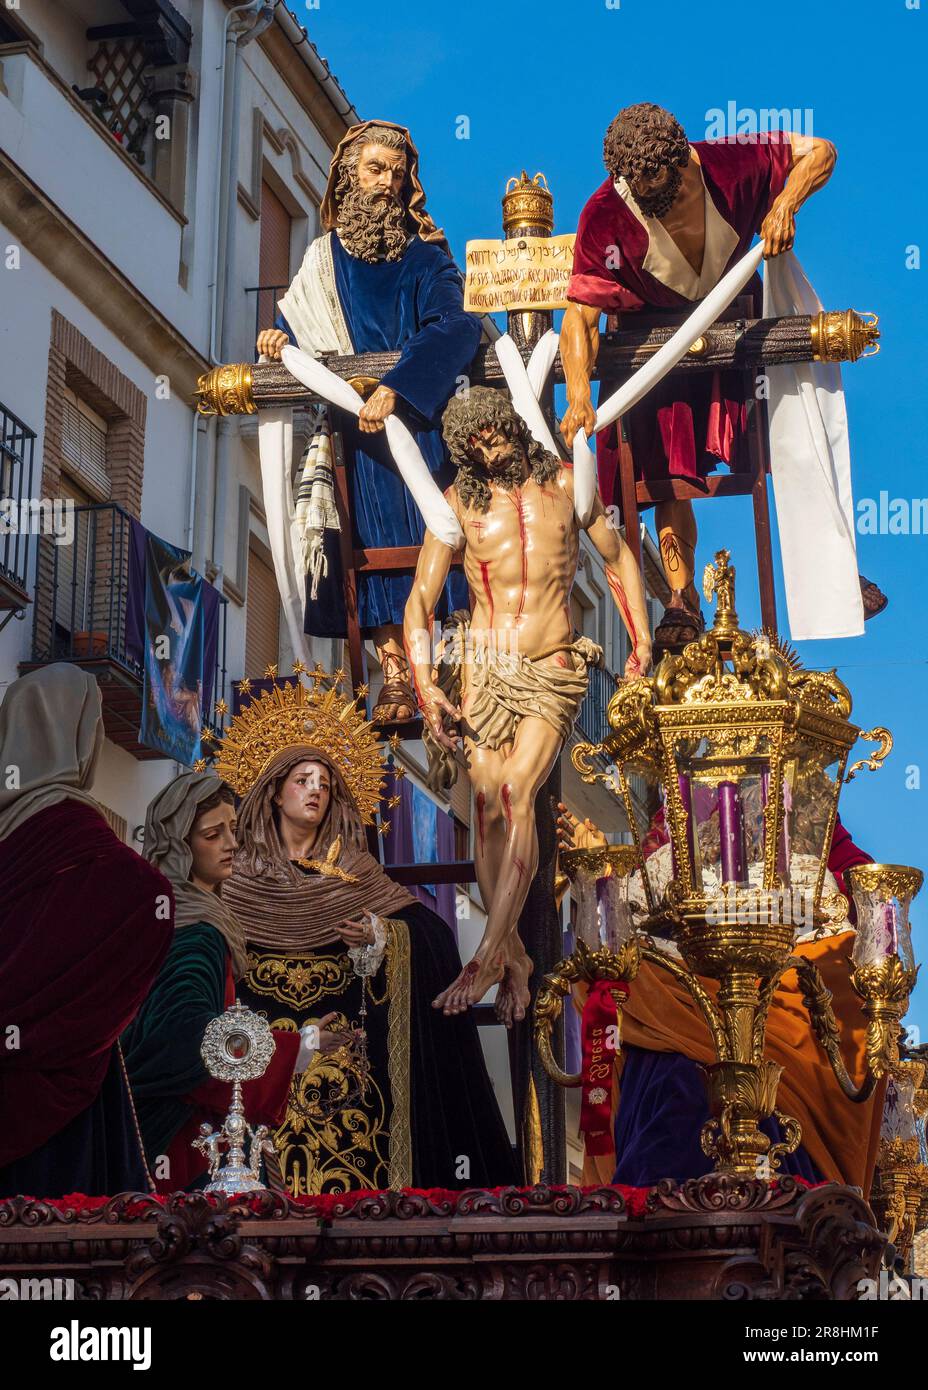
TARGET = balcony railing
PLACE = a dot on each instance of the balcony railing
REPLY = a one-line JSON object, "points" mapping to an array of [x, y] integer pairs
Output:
{"points": [[266, 297], [18, 509], [81, 603], [591, 724]]}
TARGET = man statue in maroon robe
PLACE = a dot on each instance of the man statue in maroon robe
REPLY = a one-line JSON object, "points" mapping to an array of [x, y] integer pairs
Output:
{"points": [[669, 221]]}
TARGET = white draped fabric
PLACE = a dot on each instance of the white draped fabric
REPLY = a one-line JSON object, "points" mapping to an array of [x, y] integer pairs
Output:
{"points": [[435, 509], [275, 451], [525, 385], [811, 467], [809, 455]]}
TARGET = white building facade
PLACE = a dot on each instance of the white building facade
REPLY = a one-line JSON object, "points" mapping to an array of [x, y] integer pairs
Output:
{"points": [[158, 162], [162, 163]]}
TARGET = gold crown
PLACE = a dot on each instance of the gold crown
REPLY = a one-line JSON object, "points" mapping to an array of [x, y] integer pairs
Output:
{"points": [[318, 714], [528, 203]]}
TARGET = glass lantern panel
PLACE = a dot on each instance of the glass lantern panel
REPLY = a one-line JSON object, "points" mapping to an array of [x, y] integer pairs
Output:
{"points": [[810, 792], [587, 921], [882, 929], [613, 911], [899, 1110], [724, 816], [638, 789]]}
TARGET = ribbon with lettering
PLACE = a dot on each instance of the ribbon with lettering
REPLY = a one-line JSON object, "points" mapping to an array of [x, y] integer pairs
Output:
{"points": [[600, 1039]]}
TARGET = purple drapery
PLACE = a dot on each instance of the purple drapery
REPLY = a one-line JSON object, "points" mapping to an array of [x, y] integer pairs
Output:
{"points": [[420, 832]]}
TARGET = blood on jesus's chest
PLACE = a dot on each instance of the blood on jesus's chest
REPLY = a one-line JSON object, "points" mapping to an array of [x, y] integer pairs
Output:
{"points": [[526, 531]]}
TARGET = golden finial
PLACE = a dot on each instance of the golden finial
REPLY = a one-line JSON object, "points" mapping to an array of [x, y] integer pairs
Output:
{"points": [[244, 687], [221, 708], [527, 203], [399, 771], [362, 691], [298, 667], [383, 828], [338, 676], [719, 579], [394, 801], [200, 765], [394, 742], [270, 672]]}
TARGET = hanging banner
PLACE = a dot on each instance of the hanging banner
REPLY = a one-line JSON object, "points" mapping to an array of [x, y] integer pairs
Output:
{"points": [[172, 697], [526, 272]]}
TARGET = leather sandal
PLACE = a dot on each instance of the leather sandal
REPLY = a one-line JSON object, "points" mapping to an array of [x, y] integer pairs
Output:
{"points": [[874, 598], [396, 691]]}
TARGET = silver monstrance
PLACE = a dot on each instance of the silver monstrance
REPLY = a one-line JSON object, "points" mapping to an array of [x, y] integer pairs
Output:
{"points": [[237, 1047]]}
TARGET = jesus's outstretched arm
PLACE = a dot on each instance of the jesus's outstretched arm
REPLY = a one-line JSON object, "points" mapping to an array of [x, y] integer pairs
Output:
{"points": [[626, 587]]}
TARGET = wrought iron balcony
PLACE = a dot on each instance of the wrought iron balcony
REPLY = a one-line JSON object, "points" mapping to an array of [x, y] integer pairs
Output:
{"points": [[18, 512], [82, 598], [266, 297]]}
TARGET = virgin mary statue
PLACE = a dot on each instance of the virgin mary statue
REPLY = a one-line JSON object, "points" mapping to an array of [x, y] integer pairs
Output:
{"points": [[398, 1094]]}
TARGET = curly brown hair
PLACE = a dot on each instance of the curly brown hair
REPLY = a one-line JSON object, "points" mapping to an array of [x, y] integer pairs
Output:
{"points": [[466, 415], [644, 139]]}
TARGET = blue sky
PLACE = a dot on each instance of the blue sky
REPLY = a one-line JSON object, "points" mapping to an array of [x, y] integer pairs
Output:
{"points": [[539, 83]]}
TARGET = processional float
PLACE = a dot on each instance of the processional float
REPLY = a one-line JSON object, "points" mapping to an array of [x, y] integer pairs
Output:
{"points": [[725, 715], [741, 744]]}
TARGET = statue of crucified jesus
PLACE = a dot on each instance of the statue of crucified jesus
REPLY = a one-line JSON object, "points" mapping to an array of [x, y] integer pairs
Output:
{"points": [[523, 673]]}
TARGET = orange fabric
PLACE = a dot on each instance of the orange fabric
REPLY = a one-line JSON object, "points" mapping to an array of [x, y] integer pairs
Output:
{"points": [[840, 1137]]}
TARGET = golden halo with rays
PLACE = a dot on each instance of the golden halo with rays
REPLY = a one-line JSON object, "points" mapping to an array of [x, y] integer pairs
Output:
{"points": [[780, 645], [318, 714]]}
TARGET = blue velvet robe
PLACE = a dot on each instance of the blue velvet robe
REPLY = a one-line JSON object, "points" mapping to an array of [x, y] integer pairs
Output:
{"points": [[417, 305], [662, 1109]]}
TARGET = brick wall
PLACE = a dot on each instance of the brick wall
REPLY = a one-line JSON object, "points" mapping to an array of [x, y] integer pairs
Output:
{"points": [[74, 362]]}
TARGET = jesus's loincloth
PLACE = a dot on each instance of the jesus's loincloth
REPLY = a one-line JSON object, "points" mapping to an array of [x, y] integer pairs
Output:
{"points": [[504, 689]]}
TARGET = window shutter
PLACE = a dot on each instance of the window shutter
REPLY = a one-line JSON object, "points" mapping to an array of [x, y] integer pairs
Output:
{"points": [[83, 445], [275, 254], [262, 647], [72, 595]]}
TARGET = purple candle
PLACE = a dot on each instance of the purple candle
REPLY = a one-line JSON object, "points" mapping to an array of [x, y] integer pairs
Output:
{"points": [[731, 833]]}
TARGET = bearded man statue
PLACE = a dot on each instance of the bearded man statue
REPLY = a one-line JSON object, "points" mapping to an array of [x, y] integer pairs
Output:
{"points": [[380, 278]]}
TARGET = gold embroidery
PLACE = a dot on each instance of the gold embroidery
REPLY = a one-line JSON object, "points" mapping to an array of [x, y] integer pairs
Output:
{"points": [[321, 1151], [399, 989], [298, 980], [361, 1146], [332, 1153]]}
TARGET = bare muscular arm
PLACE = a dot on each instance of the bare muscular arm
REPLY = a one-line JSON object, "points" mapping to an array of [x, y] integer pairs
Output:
{"points": [[579, 346], [626, 587], [813, 162], [431, 573]]}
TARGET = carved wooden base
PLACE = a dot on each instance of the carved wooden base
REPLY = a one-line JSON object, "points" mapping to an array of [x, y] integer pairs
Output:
{"points": [[712, 1238]]}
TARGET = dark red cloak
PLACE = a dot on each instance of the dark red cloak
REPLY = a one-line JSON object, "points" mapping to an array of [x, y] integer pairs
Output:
{"points": [[83, 932], [690, 421]]}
